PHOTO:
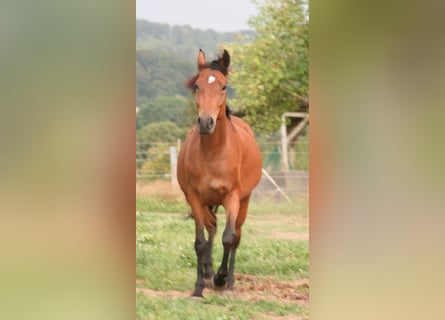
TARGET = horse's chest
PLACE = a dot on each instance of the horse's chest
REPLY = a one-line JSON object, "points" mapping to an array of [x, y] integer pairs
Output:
{"points": [[215, 180]]}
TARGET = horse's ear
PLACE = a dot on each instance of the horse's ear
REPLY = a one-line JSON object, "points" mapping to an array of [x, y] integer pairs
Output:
{"points": [[190, 82], [224, 60], [201, 58]]}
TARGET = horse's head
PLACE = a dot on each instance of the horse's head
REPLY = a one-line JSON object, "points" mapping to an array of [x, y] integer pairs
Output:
{"points": [[209, 87]]}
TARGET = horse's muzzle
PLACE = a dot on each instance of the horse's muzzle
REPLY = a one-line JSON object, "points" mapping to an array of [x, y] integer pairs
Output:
{"points": [[206, 124]]}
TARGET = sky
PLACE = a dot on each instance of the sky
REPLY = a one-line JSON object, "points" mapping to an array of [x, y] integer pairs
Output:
{"points": [[219, 15]]}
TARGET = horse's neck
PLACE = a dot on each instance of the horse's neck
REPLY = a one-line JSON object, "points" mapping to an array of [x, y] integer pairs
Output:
{"points": [[216, 141]]}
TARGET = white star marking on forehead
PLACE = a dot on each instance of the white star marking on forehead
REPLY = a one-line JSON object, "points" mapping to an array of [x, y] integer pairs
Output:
{"points": [[211, 79]]}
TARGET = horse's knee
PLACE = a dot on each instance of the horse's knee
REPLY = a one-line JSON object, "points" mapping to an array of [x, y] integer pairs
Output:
{"points": [[228, 237], [200, 246], [236, 242]]}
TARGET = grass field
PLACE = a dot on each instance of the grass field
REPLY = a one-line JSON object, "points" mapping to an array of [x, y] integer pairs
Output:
{"points": [[271, 270]]}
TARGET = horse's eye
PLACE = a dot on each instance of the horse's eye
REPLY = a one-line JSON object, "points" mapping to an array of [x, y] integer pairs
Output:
{"points": [[195, 87], [223, 88]]}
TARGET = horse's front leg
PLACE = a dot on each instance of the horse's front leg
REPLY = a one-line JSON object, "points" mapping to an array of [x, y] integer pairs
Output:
{"points": [[210, 223], [232, 205], [200, 249], [239, 222], [201, 244]]}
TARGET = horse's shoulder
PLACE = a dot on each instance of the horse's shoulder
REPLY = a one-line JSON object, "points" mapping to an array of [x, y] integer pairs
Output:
{"points": [[241, 125], [192, 134]]}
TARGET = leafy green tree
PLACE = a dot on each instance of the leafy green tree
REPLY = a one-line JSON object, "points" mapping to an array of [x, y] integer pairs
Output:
{"points": [[270, 74], [166, 56], [158, 162], [155, 134], [160, 73], [163, 108]]}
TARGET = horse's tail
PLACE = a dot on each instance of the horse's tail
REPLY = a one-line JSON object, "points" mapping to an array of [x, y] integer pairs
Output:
{"points": [[213, 209]]}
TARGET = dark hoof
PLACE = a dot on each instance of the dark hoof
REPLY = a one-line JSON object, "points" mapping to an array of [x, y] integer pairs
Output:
{"points": [[220, 280], [197, 295]]}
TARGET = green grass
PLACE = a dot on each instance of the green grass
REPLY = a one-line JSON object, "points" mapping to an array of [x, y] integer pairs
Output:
{"points": [[212, 307], [161, 204], [166, 259], [299, 206], [157, 203]]}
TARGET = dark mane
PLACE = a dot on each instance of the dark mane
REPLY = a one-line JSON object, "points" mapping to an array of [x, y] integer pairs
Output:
{"points": [[220, 64], [228, 111], [214, 65]]}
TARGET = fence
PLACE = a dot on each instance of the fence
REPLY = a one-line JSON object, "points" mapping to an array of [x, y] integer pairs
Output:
{"points": [[153, 162]]}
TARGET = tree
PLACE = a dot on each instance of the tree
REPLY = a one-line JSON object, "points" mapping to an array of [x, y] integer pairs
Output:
{"points": [[160, 73], [270, 74], [163, 108], [155, 134], [157, 164]]}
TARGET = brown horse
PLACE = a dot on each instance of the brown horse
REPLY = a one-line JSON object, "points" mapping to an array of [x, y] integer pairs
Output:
{"points": [[219, 164]]}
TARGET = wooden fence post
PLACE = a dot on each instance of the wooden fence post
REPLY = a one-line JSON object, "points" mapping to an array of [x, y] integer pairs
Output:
{"points": [[173, 163]]}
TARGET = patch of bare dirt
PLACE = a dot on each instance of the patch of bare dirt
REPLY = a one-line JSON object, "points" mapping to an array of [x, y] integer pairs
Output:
{"points": [[248, 287], [161, 189], [288, 317], [279, 220], [252, 288], [164, 294]]}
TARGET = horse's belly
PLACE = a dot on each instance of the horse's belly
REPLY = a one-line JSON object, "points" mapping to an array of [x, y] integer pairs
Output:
{"points": [[210, 198]]}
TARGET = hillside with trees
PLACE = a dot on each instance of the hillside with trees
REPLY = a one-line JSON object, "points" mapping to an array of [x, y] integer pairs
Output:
{"points": [[166, 55], [269, 67]]}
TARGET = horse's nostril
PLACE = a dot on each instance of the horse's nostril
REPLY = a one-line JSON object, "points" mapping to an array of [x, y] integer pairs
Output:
{"points": [[205, 124]]}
